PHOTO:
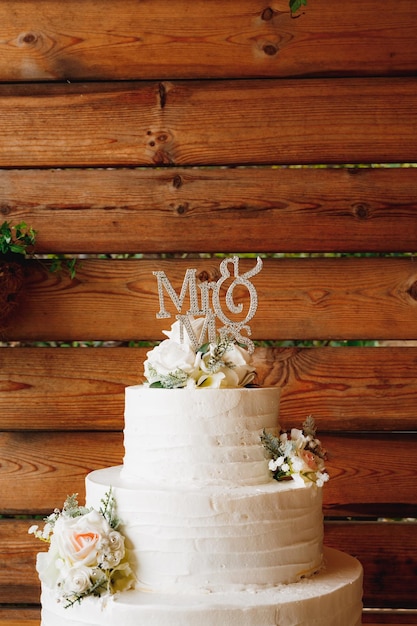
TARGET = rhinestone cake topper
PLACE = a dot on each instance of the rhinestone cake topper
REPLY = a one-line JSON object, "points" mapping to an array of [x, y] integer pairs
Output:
{"points": [[232, 329]]}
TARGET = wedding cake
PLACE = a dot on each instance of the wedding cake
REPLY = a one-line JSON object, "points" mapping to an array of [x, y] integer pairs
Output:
{"points": [[214, 518]]}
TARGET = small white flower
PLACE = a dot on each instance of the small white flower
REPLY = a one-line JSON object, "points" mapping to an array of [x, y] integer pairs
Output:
{"points": [[297, 464], [77, 580], [322, 477], [272, 465]]}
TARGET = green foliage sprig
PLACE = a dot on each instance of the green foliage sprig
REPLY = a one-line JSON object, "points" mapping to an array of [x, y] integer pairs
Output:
{"points": [[295, 5], [18, 239]]}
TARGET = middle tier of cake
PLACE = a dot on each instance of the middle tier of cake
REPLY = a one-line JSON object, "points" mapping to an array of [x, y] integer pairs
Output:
{"points": [[214, 537]]}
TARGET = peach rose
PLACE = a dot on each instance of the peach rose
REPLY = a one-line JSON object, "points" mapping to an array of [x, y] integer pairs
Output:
{"points": [[78, 540]]}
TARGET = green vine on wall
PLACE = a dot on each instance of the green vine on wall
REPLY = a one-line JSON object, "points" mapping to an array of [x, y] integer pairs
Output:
{"points": [[295, 5]]}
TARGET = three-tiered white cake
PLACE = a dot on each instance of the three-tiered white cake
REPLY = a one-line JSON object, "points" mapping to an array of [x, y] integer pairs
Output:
{"points": [[207, 537]]}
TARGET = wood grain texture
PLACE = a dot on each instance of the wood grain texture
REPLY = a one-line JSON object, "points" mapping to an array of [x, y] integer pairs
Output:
{"points": [[167, 210], [229, 122], [346, 389], [37, 468], [20, 616], [302, 298], [40, 468], [360, 539], [98, 39], [387, 573]]}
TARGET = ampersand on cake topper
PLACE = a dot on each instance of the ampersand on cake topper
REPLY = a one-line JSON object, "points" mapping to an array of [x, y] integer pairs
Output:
{"points": [[231, 328]]}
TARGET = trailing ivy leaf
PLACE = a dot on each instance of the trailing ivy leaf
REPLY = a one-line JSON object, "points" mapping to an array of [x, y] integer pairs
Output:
{"points": [[295, 5]]}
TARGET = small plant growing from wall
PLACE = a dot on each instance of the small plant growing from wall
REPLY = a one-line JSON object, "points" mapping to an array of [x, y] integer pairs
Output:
{"points": [[17, 244]]}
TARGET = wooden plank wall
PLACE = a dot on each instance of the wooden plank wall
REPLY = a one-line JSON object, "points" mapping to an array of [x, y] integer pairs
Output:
{"points": [[160, 129]]}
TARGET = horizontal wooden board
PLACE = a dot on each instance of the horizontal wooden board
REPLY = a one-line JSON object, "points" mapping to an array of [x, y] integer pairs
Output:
{"points": [[150, 39], [388, 574], [209, 122], [360, 539], [314, 298], [170, 210], [368, 473], [99, 40], [38, 468], [346, 388], [20, 616]]}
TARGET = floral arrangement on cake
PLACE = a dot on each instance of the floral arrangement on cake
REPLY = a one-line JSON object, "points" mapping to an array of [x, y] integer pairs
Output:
{"points": [[176, 363], [86, 553], [297, 455]]}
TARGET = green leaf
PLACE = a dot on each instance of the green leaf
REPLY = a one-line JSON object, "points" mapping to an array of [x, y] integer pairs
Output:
{"points": [[295, 5]]}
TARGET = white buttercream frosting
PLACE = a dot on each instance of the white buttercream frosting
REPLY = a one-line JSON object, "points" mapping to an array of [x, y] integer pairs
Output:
{"points": [[184, 436], [216, 538], [331, 598], [211, 537]]}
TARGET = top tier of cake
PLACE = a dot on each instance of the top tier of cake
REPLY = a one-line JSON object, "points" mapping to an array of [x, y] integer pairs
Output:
{"points": [[198, 436]]}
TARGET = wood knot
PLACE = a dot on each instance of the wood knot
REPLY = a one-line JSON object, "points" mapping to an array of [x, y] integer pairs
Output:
{"points": [[361, 210], [181, 208], [270, 49], [28, 38], [412, 291], [208, 275], [267, 14], [5, 209], [177, 181]]}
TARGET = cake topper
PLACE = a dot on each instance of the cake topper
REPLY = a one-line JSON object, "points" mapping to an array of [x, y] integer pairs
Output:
{"points": [[231, 328]]}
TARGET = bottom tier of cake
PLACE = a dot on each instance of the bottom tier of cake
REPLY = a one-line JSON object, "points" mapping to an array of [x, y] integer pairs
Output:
{"points": [[330, 598]]}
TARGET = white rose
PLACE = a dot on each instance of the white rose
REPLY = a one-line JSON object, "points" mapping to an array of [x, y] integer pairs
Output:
{"points": [[77, 540], [112, 550], [168, 357], [76, 581]]}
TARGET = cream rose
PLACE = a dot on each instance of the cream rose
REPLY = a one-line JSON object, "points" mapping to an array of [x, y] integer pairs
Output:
{"points": [[78, 540]]}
